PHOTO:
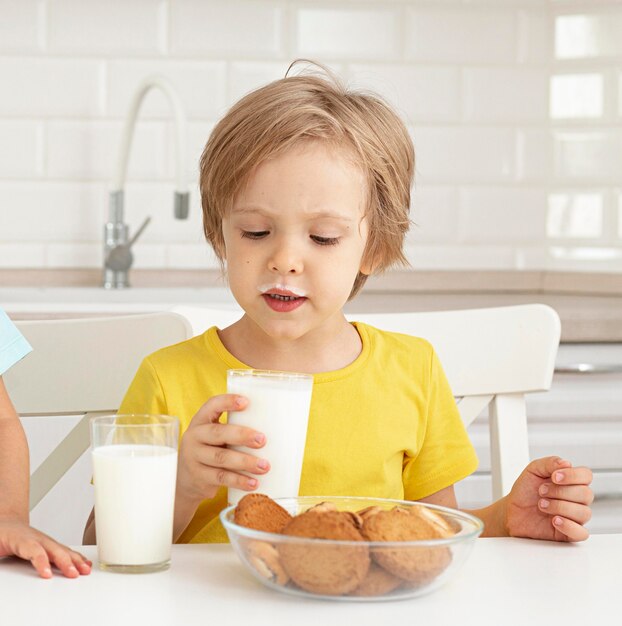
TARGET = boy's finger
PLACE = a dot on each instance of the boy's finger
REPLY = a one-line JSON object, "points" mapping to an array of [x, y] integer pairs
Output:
{"points": [[572, 476], [576, 512], [230, 435], [214, 456], [81, 563], [61, 557], [580, 494], [571, 530], [211, 411], [545, 466], [215, 476], [35, 553]]}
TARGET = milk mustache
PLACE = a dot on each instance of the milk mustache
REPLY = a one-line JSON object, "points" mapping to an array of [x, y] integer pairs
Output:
{"points": [[278, 406]]}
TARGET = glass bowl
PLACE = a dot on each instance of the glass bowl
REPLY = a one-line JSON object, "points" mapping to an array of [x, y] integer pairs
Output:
{"points": [[353, 570]]}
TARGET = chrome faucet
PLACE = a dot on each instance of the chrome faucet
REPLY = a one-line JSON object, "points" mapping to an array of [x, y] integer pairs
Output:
{"points": [[118, 256]]}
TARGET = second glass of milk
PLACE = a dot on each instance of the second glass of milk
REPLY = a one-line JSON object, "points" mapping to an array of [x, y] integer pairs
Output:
{"points": [[134, 474], [278, 406]]}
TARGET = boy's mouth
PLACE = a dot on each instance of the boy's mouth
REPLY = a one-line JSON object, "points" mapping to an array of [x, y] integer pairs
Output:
{"points": [[283, 300]]}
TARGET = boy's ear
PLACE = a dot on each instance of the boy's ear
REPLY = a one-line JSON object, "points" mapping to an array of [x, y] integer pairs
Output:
{"points": [[369, 264]]}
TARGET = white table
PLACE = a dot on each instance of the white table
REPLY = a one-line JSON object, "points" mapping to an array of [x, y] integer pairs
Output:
{"points": [[504, 582]]}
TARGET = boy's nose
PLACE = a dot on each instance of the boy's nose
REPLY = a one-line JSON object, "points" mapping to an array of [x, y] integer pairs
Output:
{"points": [[286, 260]]}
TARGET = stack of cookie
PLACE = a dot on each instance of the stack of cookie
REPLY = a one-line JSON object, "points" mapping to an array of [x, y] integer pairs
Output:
{"points": [[349, 564]]}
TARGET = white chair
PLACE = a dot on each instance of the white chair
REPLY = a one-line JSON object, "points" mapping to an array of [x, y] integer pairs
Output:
{"points": [[492, 357], [84, 367]]}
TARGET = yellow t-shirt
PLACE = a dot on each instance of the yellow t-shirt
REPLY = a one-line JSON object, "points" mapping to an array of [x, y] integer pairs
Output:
{"points": [[384, 426]]}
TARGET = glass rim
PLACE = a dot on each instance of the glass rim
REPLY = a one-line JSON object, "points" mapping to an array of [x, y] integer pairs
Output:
{"points": [[254, 372], [110, 419]]}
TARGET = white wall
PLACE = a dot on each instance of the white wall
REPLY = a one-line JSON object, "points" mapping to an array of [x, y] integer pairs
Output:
{"points": [[515, 109]]}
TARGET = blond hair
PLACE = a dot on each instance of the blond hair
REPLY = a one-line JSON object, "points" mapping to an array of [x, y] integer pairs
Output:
{"points": [[286, 112]]}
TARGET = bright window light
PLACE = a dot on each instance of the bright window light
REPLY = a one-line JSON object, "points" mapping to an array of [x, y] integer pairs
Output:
{"points": [[574, 215], [576, 95]]}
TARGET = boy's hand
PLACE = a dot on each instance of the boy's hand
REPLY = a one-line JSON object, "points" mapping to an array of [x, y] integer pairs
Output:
{"points": [[19, 539], [205, 462], [550, 500]]}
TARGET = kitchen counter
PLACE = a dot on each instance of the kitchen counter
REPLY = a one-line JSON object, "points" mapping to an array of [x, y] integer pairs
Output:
{"points": [[589, 304]]}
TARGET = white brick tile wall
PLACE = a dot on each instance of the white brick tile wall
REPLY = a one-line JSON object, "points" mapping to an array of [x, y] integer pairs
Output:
{"points": [[75, 254], [535, 45], [103, 27], [535, 155], [434, 213], [505, 95], [461, 257], [27, 255], [227, 28], [20, 153], [421, 94], [496, 215], [588, 156], [246, 76], [191, 256], [352, 32], [20, 26], [480, 83], [89, 150], [201, 86], [455, 154], [461, 35], [42, 87], [50, 211]]}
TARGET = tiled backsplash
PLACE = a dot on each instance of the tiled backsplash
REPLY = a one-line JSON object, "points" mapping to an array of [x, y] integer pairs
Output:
{"points": [[515, 109]]}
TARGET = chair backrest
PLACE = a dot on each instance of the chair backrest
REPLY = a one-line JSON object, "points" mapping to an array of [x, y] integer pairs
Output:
{"points": [[82, 366], [492, 357]]}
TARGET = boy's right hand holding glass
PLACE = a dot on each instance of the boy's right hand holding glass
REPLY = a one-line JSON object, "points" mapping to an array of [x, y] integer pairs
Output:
{"points": [[205, 462]]}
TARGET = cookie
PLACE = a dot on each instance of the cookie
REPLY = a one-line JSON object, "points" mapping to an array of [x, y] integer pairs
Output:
{"points": [[265, 559], [415, 564], [324, 569], [378, 582], [258, 511]]}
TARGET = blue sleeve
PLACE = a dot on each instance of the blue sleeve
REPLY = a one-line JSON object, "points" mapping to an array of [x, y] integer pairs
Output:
{"points": [[13, 345]]}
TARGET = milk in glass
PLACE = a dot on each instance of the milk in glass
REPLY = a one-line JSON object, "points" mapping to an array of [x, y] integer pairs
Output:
{"points": [[278, 406], [134, 502]]}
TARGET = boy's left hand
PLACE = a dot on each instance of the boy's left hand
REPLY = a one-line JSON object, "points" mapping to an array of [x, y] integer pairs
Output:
{"points": [[550, 500]]}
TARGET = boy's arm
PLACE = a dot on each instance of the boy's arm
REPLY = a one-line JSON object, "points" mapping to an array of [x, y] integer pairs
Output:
{"points": [[550, 500], [14, 464]]}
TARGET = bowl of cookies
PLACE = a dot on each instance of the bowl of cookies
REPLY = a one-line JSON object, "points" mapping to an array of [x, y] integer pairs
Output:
{"points": [[349, 548]]}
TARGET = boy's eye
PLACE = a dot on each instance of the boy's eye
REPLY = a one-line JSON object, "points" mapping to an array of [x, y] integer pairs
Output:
{"points": [[325, 241], [254, 234]]}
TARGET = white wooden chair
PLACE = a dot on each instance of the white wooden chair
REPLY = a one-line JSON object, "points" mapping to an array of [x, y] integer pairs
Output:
{"points": [[492, 357], [84, 367]]}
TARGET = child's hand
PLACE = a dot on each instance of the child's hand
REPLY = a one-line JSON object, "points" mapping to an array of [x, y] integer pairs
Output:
{"points": [[550, 500], [19, 539], [205, 462]]}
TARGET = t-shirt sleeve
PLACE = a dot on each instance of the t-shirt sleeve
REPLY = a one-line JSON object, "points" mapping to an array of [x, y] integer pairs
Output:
{"points": [[145, 393], [446, 454], [13, 345]]}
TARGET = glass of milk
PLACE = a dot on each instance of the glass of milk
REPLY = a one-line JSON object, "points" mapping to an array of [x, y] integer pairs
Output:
{"points": [[278, 406], [134, 474]]}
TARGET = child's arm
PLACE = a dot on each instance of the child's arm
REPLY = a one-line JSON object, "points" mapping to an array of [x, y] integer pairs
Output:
{"points": [[17, 538], [205, 463], [549, 500], [14, 467]]}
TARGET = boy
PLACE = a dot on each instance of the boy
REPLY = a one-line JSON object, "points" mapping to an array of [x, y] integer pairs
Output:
{"points": [[17, 538], [306, 191]]}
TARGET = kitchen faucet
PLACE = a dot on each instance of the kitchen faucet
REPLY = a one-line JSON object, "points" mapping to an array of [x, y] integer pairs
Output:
{"points": [[118, 256]]}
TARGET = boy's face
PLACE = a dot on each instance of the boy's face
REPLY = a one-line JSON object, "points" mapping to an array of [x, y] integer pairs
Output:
{"points": [[294, 240]]}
